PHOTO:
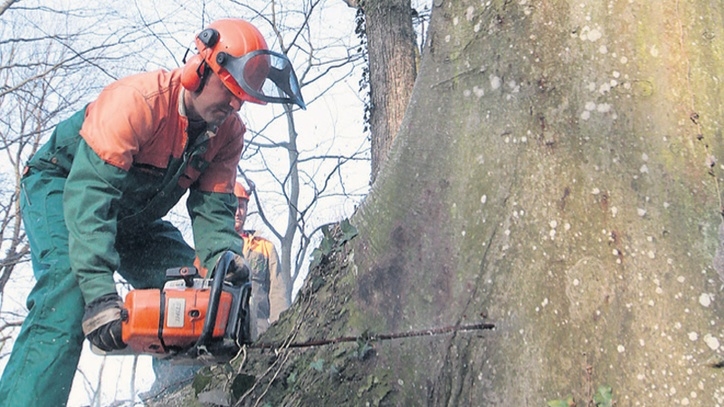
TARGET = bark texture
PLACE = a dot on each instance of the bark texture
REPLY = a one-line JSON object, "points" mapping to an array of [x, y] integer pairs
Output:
{"points": [[391, 54], [559, 182], [556, 173]]}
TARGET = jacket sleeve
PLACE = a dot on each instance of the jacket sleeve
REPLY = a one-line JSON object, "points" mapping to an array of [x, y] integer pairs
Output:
{"points": [[90, 198], [212, 221], [280, 285]]}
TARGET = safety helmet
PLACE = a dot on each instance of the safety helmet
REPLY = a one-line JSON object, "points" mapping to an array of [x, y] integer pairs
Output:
{"points": [[240, 191], [236, 51]]}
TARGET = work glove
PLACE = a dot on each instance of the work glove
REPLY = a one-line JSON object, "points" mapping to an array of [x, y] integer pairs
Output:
{"points": [[238, 272], [102, 322]]}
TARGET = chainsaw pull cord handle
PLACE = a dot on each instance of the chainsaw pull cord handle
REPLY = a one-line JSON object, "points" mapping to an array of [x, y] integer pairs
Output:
{"points": [[220, 270]]}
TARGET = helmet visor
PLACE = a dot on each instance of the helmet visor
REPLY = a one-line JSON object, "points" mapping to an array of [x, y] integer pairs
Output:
{"points": [[267, 76]]}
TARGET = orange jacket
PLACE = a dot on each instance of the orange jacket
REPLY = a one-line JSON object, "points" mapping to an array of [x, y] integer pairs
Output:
{"points": [[140, 120], [137, 126]]}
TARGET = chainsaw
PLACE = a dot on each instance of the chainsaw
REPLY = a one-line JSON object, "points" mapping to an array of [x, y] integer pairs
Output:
{"points": [[191, 319]]}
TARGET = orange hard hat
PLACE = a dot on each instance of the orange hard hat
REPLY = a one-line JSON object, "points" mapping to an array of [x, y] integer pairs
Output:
{"points": [[237, 52], [240, 191]]}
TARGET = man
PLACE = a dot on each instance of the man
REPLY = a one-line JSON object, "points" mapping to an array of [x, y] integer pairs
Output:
{"points": [[271, 287], [94, 195]]}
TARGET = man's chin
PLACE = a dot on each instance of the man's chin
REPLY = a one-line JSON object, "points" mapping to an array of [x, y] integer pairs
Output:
{"points": [[216, 119]]}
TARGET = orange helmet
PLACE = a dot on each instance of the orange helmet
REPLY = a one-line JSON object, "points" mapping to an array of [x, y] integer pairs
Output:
{"points": [[237, 52], [240, 191]]}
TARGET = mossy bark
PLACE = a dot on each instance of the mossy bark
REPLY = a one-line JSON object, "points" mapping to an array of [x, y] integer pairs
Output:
{"points": [[554, 175], [560, 181]]}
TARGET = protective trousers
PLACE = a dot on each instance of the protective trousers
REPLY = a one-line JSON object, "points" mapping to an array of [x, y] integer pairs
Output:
{"points": [[46, 352]]}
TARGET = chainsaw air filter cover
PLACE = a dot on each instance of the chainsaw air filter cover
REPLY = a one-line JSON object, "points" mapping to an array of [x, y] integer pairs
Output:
{"points": [[172, 319]]}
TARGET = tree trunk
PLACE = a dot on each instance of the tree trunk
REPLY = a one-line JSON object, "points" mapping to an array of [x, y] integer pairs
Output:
{"points": [[554, 175], [391, 50]]}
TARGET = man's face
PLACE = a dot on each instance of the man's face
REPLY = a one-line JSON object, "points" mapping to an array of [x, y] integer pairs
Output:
{"points": [[214, 103], [240, 215]]}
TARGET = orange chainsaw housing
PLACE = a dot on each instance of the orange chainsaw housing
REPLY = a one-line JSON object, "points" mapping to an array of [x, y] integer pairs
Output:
{"points": [[172, 319]]}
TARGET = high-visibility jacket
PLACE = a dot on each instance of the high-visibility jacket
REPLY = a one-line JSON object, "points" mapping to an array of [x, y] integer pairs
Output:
{"points": [[128, 160], [271, 288]]}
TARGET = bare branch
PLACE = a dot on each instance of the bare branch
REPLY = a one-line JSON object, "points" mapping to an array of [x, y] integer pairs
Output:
{"points": [[6, 5]]}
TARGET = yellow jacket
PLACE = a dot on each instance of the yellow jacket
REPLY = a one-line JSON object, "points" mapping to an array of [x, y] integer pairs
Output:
{"points": [[271, 288]]}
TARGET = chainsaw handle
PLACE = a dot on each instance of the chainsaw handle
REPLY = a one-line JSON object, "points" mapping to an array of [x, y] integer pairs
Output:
{"points": [[220, 270]]}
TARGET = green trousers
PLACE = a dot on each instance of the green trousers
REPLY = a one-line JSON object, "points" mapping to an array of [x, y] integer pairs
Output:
{"points": [[45, 354]]}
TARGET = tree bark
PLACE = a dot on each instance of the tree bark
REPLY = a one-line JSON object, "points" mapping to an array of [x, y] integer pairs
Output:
{"points": [[6, 5], [555, 175], [392, 71]]}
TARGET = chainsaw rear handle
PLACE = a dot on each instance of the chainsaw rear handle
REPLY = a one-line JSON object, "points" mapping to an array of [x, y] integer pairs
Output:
{"points": [[220, 270]]}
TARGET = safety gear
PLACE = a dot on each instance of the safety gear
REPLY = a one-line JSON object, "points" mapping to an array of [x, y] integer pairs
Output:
{"points": [[237, 52], [140, 187], [102, 322], [271, 286], [124, 184], [240, 191]]}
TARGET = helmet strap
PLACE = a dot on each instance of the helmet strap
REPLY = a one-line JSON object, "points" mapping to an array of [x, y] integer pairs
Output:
{"points": [[203, 71]]}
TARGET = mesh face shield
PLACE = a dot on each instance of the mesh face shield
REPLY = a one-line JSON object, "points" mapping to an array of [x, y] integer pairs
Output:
{"points": [[265, 75]]}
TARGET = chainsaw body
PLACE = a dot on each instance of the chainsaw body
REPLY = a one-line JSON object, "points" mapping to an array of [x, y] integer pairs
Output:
{"points": [[190, 318]]}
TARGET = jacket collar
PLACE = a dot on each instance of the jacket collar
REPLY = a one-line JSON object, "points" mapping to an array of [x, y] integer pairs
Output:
{"points": [[210, 132]]}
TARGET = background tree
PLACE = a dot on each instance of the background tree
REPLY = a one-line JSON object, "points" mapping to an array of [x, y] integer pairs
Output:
{"points": [[556, 175], [390, 42], [314, 175]]}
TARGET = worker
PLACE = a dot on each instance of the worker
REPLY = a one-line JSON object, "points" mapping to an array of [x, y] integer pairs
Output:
{"points": [[271, 287], [93, 198]]}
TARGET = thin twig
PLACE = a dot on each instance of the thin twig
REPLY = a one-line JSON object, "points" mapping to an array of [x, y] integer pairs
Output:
{"points": [[380, 337]]}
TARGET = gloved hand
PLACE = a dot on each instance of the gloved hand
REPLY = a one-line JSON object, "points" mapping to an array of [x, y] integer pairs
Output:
{"points": [[102, 322], [238, 272]]}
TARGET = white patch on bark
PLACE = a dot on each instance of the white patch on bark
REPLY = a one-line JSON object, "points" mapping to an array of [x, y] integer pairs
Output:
{"points": [[718, 261], [588, 287], [711, 341], [495, 82], [705, 300], [588, 34], [469, 13]]}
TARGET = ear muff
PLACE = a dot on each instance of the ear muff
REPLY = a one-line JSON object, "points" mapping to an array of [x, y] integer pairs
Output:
{"points": [[192, 73]]}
